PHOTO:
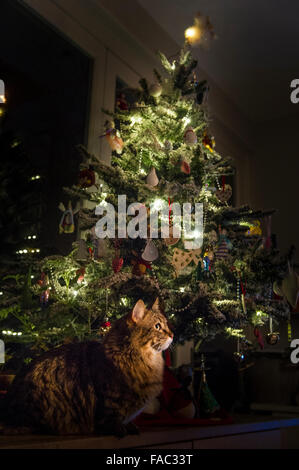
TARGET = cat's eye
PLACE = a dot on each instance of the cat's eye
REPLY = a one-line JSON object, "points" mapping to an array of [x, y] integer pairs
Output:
{"points": [[158, 326]]}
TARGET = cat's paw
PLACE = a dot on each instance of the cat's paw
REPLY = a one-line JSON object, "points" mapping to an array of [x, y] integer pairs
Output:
{"points": [[132, 428]]}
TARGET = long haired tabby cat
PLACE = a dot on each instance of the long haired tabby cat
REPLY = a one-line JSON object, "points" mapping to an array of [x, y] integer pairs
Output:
{"points": [[86, 388]]}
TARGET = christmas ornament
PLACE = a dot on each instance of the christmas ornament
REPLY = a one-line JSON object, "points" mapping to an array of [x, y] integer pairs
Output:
{"points": [[208, 141], [224, 245], [181, 259], [44, 280], [225, 193], [117, 264], [259, 337], [150, 252], [121, 102], [139, 266], [86, 178], [239, 355], [152, 178], [105, 327], [201, 32], [254, 229], [222, 250], [66, 224], [171, 240], [190, 138], [206, 401], [272, 338], [113, 138], [155, 90], [81, 274], [185, 167], [207, 259], [44, 298]]}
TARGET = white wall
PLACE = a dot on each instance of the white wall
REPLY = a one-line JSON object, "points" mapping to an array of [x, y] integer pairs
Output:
{"points": [[123, 40]]}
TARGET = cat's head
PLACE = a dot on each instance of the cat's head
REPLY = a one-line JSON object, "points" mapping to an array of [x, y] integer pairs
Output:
{"points": [[149, 327]]}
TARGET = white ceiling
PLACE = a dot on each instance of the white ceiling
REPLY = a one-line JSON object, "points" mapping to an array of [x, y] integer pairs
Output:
{"points": [[256, 54]]}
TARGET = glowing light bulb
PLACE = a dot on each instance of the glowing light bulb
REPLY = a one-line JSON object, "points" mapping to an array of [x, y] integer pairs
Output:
{"points": [[186, 120], [192, 34], [158, 204]]}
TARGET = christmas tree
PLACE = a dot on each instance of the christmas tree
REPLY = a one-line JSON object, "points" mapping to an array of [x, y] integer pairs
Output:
{"points": [[217, 280]]}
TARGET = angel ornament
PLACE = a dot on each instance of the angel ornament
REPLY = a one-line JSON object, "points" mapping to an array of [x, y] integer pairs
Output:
{"points": [[66, 224]]}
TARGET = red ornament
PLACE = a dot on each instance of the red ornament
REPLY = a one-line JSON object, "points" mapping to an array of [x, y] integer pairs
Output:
{"points": [[121, 102], [44, 280], [117, 264], [86, 178], [81, 274], [140, 266], [105, 327], [185, 167], [259, 337]]}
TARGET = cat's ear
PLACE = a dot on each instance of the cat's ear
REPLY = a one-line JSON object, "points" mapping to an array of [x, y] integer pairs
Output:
{"points": [[138, 311], [156, 306]]}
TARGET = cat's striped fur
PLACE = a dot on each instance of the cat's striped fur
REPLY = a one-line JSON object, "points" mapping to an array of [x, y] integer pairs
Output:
{"points": [[85, 388]]}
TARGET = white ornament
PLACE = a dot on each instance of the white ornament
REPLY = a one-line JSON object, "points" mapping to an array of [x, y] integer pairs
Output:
{"points": [[152, 178], [190, 137], [150, 252], [155, 90]]}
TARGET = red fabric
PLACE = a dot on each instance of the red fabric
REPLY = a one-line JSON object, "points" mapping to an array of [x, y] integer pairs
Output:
{"points": [[171, 387]]}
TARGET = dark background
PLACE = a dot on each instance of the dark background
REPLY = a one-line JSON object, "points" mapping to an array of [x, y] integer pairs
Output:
{"points": [[47, 83]]}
